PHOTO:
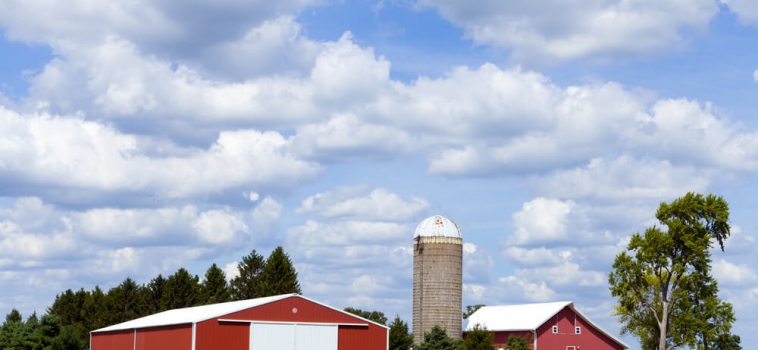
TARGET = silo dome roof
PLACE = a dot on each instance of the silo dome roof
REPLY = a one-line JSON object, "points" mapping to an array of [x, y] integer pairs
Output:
{"points": [[437, 226]]}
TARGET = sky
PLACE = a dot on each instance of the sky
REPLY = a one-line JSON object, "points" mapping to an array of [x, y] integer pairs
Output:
{"points": [[141, 136]]}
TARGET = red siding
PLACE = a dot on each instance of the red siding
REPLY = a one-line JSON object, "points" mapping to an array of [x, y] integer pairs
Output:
{"points": [[119, 340], [501, 338], [566, 320], [365, 338], [177, 337]]}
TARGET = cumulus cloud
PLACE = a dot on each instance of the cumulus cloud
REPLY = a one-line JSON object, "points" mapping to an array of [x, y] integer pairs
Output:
{"points": [[746, 10], [266, 218], [361, 202], [541, 220], [755, 76], [64, 152], [557, 30], [728, 273]]}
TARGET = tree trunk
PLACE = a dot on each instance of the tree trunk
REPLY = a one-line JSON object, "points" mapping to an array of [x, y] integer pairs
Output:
{"points": [[663, 325]]}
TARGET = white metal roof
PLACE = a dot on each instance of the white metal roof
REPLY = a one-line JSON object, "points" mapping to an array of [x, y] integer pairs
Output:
{"points": [[206, 312], [192, 314], [437, 226], [524, 317]]}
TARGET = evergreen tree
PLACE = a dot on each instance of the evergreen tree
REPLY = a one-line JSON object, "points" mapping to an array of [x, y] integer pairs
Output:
{"points": [[181, 290], [279, 275], [517, 343], [214, 287], [376, 316], [154, 294], [94, 312], [437, 339], [479, 338], [123, 302], [247, 285], [13, 316], [400, 338]]}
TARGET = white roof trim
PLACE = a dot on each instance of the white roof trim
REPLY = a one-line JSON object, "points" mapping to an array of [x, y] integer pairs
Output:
{"points": [[295, 323], [529, 317]]}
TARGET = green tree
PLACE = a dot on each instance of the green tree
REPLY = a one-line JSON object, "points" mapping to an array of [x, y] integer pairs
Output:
{"points": [[123, 302], [214, 288], [479, 338], [662, 277], [400, 338], [517, 343], [247, 284], [181, 290], [470, 309], [437, 339], [376, 316], [279, 275], [154, 294], [94, 311]]}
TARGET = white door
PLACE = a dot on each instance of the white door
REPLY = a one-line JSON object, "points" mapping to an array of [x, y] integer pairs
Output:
{"points": [[277, 336]]}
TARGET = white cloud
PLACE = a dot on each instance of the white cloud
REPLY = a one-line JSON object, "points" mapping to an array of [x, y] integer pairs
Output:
{"points": [[60, 152], [348, 233], [727, 273], [541, 220], [755, 76], [362, 203], [220, 227], [531, 257], [509, 290], [558, 30], [746, 10], [477, 264], [266, 218]]}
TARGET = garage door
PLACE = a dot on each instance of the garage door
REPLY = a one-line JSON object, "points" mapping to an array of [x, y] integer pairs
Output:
{"points": [[281, 336]]}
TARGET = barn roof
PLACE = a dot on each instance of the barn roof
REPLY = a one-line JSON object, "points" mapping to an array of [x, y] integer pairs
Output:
{"points": [[525, 317], [192, 314]]}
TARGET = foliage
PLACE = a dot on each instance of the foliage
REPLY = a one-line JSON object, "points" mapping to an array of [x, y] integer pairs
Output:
{"points": [[517, 343], [665, 294], [214, 288], [279, 276], [376, 316], [479, 338], [247, 284], [72, 316], [470, 309], [400, 338], [437, 339]]}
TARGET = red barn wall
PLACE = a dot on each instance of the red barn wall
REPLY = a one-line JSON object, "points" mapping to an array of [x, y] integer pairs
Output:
{"points": [[372, 337], [178, 337], [118, 340], [501, 338], [590, 338]]}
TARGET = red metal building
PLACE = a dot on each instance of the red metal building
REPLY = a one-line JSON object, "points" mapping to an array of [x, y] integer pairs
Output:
{"points": [[547, 326], [283, 322]]}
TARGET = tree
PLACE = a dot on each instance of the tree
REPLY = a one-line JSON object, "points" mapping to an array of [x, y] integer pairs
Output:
{"points": [[214, 288], [279, 276], [437, 339], [479, 338], [247, 284], [517, 343], [123, 302], [400, 338], [376, 316], [181, 290], [154, 293], [665, 294]]}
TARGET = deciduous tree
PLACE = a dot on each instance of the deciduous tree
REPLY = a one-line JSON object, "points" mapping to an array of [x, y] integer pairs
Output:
{"points": [[400, 338], [376, 316], [666, 296], [479, 338]]}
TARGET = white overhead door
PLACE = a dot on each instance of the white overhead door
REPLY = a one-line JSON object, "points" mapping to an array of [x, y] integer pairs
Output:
{"points": [[279, 336], [316, 337]]}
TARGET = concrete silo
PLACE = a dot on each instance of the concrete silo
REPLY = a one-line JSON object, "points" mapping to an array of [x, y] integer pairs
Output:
{"points": [[437, 277]]}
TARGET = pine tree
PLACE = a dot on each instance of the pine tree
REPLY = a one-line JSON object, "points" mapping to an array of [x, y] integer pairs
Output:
{"points": [[154, 294], [437, 339], [400, 338], [123, 302], [279, 276], [247, 284], [181, 290], [214, 287], [479, 338]]}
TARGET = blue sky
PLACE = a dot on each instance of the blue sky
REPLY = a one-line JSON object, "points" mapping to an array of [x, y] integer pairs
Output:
{"points": [[140, 137]]}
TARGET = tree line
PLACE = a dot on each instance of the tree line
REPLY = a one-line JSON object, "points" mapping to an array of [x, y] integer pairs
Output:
{"points": [[74, 314]]}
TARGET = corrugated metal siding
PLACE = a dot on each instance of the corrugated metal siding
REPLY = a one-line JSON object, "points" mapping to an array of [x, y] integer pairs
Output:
{"points": [[365, 338], [165, 338], [118, 340], [501, 338], [566, 320], [212, 335]]}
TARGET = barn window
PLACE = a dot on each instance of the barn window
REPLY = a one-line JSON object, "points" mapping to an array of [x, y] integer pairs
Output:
{"points": [[555, 329], [578, 330]]}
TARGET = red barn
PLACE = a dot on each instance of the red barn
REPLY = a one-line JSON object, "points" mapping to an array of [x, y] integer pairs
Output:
{"points": [[547, 326], [286, 322]]}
